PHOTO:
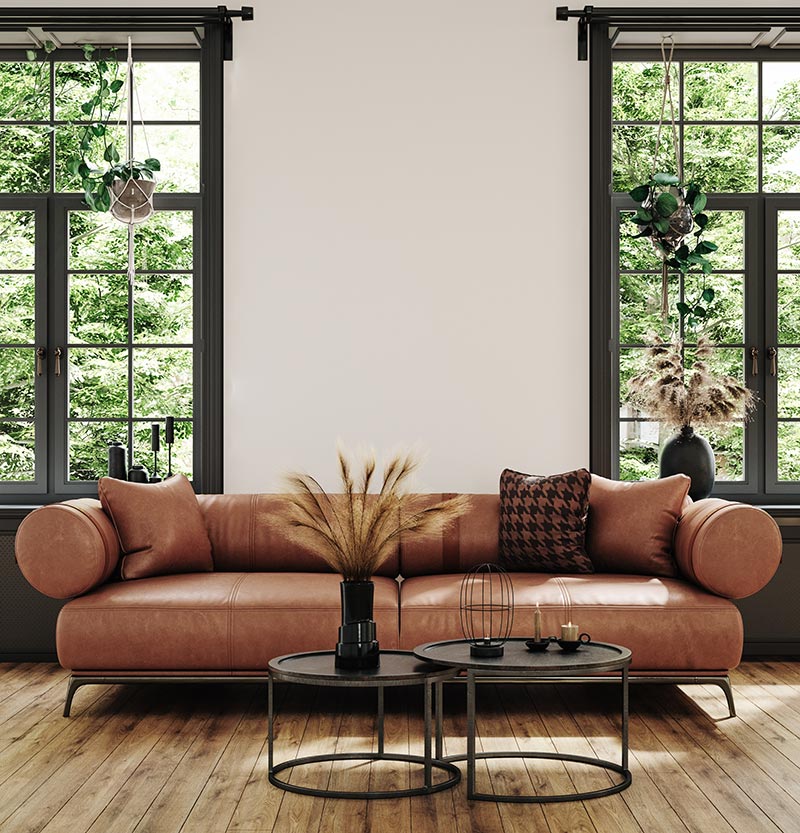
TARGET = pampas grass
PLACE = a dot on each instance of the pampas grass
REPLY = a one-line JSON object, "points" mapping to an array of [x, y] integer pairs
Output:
{"points": [[680, 398], [356, 531]]}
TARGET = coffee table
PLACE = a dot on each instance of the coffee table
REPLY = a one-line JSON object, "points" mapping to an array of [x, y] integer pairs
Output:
{"points": [[593, 659], [397, 668]]}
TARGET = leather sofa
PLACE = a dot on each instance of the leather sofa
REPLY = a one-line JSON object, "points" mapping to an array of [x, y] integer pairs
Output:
{"points": [[268, 597]]}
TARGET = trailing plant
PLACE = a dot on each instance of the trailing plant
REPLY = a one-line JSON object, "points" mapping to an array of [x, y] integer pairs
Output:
{"points": [[356, 531], [669, 214], [682, 397]]}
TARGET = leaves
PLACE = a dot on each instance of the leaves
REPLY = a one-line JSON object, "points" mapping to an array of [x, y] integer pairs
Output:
{"points": [[666, 204], [639, 193], [665, 179], [699, 203]]}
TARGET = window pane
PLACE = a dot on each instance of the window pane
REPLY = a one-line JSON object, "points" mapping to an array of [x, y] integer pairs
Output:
{"points": [[88, 447], [781, 145], [17, 451], [162, 382], [726, 229], [638, 450], [165, 242], [177, 148], [98, 309], [789, 309], [68, 138], [24, 91], [17, 310], [637, 90], [720, 90], [76, 82], [17, 375], [781, 91], [632, 362], [182, 449], [635, 252], [788, 382], [725, 323], [632, 148], [17, 237], [168, 90], [723, 360], [789, 240], [789, 451], [24, 159], [98, 382], [162, 309], [640, 307], [97, 241], [722, 157], [728, 446]]}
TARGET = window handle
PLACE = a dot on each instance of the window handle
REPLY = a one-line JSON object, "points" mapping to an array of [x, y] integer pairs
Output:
{"points": [[58, 353], [41, 355], [754, 360], [772, 353]]}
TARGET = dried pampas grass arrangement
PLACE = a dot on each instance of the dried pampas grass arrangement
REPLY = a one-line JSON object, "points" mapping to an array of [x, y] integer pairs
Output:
{"points": [[356, 531], [681, 397]]}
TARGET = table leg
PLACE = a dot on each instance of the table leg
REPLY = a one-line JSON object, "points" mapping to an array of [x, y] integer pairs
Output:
{"points": [[470, 734], [625, 710], [439, 719], [270, 719], [427, 754], [380, 720]]}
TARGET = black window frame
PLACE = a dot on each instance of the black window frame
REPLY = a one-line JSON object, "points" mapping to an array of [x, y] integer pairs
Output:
{"points": [[760, 486], [51, 313]]}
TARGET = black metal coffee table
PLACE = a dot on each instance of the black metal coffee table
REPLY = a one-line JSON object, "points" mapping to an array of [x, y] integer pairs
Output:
{"points": [[593, 659], [397, 668]]}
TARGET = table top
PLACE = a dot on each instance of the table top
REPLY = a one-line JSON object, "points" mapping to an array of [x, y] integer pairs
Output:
{"points": [[517, 660], [397, 668]]}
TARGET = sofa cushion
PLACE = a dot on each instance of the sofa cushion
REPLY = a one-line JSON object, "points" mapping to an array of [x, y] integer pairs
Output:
{"points": [[160, 526], [669, 624], [631, 525], [543, 522], [210, 622]]}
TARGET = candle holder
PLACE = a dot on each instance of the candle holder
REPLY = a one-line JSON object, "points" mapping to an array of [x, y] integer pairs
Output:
{"points": [[169, 439], [487, 609], [155, 445]]}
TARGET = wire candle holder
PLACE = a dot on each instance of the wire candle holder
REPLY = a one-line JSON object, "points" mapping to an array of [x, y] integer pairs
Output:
{"points": [[487, 609]]}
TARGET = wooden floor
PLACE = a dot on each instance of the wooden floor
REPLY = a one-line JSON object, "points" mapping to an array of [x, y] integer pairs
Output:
{"points": [[193, 758]]}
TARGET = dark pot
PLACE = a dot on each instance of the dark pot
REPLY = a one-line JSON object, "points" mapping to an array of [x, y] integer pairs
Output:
{"points": [[357, 647], [688, 453]]}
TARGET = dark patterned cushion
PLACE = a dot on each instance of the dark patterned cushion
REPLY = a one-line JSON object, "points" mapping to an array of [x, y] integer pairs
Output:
{"points": [[543, 522]]}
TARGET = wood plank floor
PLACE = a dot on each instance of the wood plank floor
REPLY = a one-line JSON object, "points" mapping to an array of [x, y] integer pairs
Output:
{"points": [[172, 758]]}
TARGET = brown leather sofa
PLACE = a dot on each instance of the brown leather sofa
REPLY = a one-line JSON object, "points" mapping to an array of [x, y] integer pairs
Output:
{"points": [[267, 597]]}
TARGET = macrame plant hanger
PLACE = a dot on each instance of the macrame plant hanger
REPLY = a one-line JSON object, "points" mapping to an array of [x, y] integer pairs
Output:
{"points": [[676, 146], [132, 199]]}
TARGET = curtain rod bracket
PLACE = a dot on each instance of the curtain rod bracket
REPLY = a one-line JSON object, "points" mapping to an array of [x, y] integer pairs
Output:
{"points": [[584, 16]]}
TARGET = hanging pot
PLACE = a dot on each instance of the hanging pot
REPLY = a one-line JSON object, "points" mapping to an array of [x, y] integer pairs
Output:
{"points": [[681, 223], [357, 647], [132, 200], [688, 453]]}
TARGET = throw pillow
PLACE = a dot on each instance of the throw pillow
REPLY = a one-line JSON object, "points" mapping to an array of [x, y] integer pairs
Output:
{"points": [[631, 525], [160, 526], [543, 522]]}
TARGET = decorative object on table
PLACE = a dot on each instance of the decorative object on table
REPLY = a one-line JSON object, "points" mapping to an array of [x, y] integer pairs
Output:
{"points": [[670, 211], [169, 439], [683, 398], [155, 447], [117, 465], [571, 640], [138, 474], [486, 604], [356, 531], [537, 643], [543, 522]]}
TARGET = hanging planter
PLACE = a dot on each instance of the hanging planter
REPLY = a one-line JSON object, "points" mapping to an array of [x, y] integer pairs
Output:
{"points": [[131, 188]]}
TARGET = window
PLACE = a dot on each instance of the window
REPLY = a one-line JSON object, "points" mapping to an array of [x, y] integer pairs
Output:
{"points": [[86, 358], [738, 117]]}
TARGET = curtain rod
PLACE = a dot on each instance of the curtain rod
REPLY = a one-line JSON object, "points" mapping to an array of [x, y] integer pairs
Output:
{"points": [[700, 16]]}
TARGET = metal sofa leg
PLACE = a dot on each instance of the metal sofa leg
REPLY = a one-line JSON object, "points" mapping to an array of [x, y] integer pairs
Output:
{"points": [[72, 686], [725, 684]]}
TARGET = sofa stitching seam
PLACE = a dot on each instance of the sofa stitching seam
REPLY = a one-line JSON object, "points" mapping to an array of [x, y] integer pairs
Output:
{"points": [[252, 534], [231, 601]]}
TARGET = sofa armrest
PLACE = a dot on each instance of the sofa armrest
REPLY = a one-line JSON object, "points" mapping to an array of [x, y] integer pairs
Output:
{"points": [[731, 549], [66, 549]]}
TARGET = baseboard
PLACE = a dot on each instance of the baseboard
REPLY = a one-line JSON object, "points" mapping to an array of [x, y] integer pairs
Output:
{"points": [[28, 657], [781, 648]]}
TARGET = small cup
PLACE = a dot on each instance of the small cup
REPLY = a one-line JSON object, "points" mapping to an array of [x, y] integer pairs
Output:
{"points": [[568, 646]]}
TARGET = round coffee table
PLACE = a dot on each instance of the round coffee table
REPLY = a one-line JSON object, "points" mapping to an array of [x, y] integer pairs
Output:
{"points": [[397, 668], [517, 661]]}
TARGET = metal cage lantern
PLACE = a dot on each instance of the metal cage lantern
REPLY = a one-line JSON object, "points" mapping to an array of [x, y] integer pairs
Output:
{"points": [[487, 609]]}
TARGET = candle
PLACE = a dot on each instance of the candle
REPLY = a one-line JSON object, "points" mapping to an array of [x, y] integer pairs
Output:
{"points": [[537, 623], [169, 430], [569, 632], [155, 442]]}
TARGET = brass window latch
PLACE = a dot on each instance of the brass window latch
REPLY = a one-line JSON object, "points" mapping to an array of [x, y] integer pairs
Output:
{"points": [[772, 354], [58, 352], [41, 355], [754, 360]]}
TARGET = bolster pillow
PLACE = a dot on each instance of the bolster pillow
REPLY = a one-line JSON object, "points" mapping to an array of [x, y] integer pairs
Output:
{"points": [[731, 549], [66, 549]]}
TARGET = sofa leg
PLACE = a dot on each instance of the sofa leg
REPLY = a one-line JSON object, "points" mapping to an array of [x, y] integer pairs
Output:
{"points": [[725, 684], [72, 686]]}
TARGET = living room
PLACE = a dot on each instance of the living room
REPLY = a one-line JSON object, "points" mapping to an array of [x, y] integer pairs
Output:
{"points": [[398, 411]]}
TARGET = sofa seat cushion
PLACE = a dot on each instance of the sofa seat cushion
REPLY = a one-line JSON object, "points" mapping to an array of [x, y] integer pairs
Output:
{"points": [[223, 622], [667, 623]]}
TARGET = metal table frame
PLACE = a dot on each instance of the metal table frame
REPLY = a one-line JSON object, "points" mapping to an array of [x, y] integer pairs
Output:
{"points": [[428, 760]]}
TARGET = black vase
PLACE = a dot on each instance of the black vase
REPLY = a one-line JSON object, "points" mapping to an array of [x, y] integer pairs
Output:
{"points": [[688, 453], [357, 647]]}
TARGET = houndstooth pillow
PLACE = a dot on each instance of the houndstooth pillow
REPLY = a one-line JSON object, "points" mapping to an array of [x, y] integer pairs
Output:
{"points": [[543, 522]]}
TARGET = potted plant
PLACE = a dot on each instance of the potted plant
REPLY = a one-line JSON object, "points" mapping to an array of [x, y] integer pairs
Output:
{"points": [[355, 532], [685, 398]]}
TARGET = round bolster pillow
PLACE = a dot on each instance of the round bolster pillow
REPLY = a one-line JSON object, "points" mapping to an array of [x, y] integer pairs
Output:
{"points": [[66, 549], [731, 549]]}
